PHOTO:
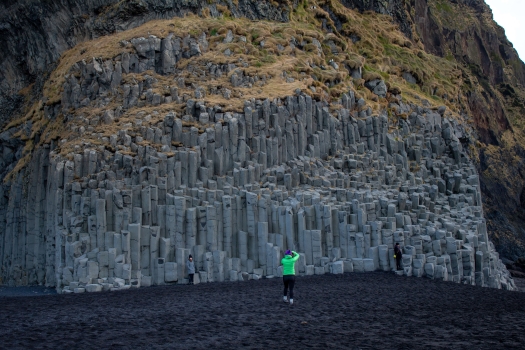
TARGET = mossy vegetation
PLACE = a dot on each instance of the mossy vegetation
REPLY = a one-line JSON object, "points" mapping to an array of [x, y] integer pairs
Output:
{"points": [[444, 5]]}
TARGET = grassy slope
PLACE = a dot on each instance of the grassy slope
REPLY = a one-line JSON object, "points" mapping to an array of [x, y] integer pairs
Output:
{"points": [[382, 52]]}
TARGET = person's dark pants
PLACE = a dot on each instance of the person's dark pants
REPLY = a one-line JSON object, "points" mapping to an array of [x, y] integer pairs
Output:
{"points": [[191, 278], [398, 263], [289, 281]]}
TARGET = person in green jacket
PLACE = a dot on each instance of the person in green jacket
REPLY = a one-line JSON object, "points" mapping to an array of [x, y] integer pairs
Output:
{"points": [[290, 257]]}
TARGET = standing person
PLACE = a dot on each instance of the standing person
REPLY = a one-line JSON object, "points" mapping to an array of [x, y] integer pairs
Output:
{"points": [[290, 257], [190, 266], [398, 255]]}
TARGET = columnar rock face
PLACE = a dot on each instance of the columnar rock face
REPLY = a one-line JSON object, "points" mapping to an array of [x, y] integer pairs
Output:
{"points": [[339, 189], [333, 182]]}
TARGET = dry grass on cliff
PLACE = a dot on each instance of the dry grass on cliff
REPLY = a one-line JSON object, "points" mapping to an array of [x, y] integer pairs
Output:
{"points": [[34, 110], [446, 12], [379, 38], [369, 41], [110, 47]]}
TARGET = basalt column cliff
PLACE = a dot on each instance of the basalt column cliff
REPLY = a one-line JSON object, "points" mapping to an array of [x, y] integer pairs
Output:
{"points": [[136, 133]]}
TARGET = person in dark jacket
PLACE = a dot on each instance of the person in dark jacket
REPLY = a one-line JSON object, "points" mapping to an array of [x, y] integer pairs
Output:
{"points": [[190, 266], [290, 257], [398, 255]]}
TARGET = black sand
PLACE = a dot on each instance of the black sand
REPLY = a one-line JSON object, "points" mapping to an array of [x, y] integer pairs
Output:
{"points": [[25, 291], [351, 311]]}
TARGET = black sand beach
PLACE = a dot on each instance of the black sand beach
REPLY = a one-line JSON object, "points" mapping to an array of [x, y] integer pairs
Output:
{"points": [[26, 291], [351, 311]]}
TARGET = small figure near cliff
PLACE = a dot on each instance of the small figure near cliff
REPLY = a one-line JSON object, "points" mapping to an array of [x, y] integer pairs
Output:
{"points": [[190, 266], [398, 255], [290, 257]]}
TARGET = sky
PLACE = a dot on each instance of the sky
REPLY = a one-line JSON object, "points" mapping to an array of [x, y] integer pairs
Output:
{"points": [[509, 15]]}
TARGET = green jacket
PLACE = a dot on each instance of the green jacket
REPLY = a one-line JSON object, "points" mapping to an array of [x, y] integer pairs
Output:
{"points": [[289, 263]]}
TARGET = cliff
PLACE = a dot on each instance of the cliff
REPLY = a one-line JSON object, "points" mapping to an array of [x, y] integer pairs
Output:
{"points": [[34, 34], [106, 103], [495, 102]]}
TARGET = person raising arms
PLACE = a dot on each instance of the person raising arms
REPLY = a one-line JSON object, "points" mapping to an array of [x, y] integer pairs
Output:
{"points": [[290, 257]]}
